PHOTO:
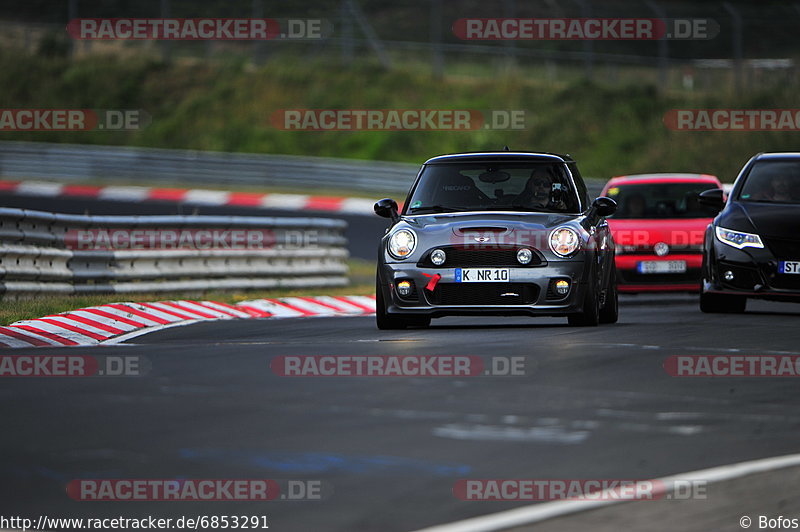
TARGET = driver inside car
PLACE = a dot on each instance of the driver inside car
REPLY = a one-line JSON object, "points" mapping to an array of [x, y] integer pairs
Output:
{"points": [[540, 192]]}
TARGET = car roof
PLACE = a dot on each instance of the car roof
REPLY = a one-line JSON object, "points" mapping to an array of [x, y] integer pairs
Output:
{"points": [[663, 178], [529, 156], [779, 155]]}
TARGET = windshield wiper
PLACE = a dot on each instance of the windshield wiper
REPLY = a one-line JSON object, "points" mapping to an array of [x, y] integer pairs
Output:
{"points": [[436, 208]]}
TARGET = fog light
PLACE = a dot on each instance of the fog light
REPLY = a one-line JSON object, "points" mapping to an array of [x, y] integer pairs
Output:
{"points": [[438, 257], [524, 256], [404, 288], [562, 287], [728, 276]]}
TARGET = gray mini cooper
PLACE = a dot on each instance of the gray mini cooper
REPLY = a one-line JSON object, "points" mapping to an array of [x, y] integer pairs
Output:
{"points": [[496, 233]]}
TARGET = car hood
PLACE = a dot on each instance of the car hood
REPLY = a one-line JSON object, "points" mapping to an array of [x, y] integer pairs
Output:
{"points": [[459, 222], [767, 219]]}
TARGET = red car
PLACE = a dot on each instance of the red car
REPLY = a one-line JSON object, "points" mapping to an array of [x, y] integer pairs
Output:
{"points": [[658, 229]]}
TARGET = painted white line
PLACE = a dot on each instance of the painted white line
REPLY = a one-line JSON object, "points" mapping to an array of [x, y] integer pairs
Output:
{"points": [[64, 319], [362, 300], [148, 330], [206, 197], [549, 510], [279, 308], [31, 334], [285, 201], [169, 308], [126, 315], [124, 193], [153, 312], [14, 342], [103, 320], [236, 312], [195, 308], [345, 307], [39, 188], [277, 311], [309, 306], [357, 206], [60, 331]]}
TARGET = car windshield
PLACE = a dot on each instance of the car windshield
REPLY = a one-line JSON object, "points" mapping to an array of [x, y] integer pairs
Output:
{"points": [[773, 182], [660, 200], [490, 186]]}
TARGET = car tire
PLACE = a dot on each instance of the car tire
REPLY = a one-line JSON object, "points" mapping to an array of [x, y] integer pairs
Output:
{"points": [[722, 303], [383, 320], [609, 313], [590, 315]]}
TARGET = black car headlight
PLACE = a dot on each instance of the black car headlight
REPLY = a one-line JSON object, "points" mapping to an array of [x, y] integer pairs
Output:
{"points": [[402, 243], [738, 239]]}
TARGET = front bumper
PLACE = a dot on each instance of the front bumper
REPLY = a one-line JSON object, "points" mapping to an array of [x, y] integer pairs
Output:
{"points": [[529, 291], [755, 274], [630, 280]]}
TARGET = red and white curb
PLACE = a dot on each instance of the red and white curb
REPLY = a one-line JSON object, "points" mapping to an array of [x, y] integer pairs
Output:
{"points": [[134, 194], [116, 322]]}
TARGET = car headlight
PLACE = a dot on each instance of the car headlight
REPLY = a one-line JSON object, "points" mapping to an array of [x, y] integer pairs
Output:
{"points": [[402, 243], [738, 239], [564, 241]]}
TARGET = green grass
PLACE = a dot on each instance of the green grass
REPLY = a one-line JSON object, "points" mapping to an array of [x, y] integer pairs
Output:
{"points": [[362, 282], [213, 105]]}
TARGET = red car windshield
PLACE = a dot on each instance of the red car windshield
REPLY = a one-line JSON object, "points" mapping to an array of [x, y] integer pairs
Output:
{"points": [[660, 200]]}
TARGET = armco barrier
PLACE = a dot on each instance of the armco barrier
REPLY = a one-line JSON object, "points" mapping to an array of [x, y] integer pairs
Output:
{"points": [[76, 163], [43, 252]]}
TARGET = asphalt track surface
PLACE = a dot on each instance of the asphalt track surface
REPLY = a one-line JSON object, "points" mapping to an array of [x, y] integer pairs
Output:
{"points": [[593, 403], [362, 233]]}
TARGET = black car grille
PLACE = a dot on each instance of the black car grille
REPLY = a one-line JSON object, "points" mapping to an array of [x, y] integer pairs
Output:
{"points": [[484, 294], [786, 282], [480, 256], [784, 249], [744, 278], [692, 275]]}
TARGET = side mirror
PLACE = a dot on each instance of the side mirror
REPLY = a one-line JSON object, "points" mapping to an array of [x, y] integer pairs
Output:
{"points": [[714, 197], [604, 206], [387, 208]]}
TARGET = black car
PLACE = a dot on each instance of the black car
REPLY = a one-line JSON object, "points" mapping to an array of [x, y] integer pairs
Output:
{"points": [[497, 233], [752, 248]]}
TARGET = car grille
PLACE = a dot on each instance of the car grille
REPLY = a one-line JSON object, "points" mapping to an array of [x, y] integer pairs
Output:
{"points": [[484, 294], [648, 250], [784, 249], [692, 275], [743, 278], [457, 256], [786, 282]]}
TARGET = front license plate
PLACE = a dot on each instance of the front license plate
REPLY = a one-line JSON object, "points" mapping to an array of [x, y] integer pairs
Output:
{"points": [[789, 266], [483, 275], [662, 266]]}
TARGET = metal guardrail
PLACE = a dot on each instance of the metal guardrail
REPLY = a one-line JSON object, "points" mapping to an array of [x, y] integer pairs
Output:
{"points": [[73, 163], [76, 163], [43, 252]]}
